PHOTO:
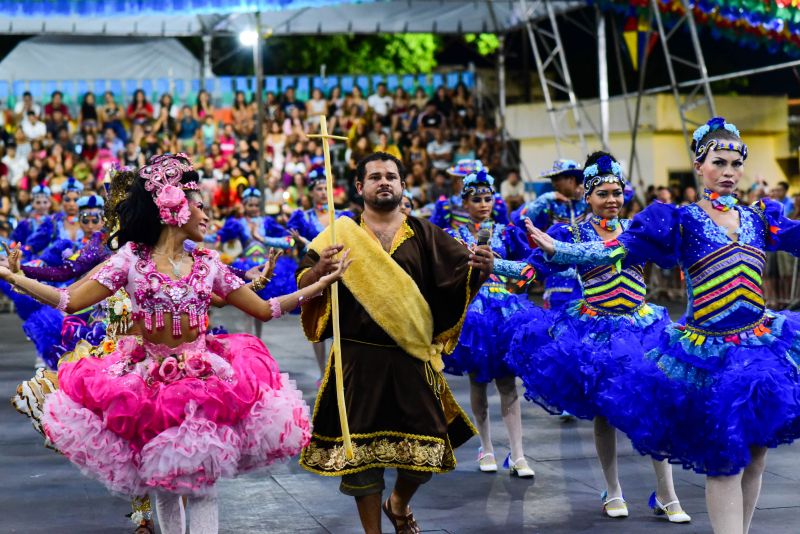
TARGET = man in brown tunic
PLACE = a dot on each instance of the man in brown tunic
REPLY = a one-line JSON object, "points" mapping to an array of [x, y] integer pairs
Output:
{"points": [[401, 305]]}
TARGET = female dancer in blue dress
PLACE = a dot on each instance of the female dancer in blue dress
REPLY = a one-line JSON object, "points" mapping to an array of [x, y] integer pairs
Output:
{"points": [[714, 393], [258, 234], [490, 322], [305, 225], [565, 361]]}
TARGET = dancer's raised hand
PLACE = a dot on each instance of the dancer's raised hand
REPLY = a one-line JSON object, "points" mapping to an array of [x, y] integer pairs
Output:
{"points": [[543, 240]]}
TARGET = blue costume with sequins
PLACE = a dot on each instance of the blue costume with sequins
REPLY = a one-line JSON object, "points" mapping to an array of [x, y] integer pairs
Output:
{"points": [[560, 287], [255, 253], [308, 224], [494, 314], [565, 360], [728, 379]]}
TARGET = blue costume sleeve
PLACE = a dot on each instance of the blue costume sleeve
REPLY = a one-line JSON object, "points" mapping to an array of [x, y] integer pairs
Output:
{"points": [[283, 243], [297, 221], [22, 232], [273, 228], [545, 266], [782, 233], [43, 236], [500, 210], [535, 210], [654, 235], [53, 255], [516, 241], [441, 213], [231, 230]]}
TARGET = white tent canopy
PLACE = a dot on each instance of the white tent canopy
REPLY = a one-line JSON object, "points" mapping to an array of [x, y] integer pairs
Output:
{"points": [[388, 16], [67, 58]]}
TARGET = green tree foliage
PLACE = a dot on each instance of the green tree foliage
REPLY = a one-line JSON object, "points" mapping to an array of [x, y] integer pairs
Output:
{"points": [[485, 43], [348, 54]]}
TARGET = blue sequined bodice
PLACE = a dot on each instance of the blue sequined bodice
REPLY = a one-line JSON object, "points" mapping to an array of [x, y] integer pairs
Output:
{"points": [[723, 277]]}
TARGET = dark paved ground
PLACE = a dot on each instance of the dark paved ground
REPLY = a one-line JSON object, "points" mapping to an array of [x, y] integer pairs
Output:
{"points": [[40, 492]]}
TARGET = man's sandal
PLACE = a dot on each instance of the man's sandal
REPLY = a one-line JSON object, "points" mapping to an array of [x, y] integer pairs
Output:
{"points": [[408, 525]]}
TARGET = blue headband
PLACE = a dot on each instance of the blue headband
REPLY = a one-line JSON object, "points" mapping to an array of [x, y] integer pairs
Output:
{"points": [[41, 190], [604, 171], [316, 175], [72, 185], [251, 192], [717, 123], [476, 182], [90, 202]]}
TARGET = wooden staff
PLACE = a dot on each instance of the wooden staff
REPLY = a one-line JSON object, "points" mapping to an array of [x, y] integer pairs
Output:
{"points": [[337, 338]]}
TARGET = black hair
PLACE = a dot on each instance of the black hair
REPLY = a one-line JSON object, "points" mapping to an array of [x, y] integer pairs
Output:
{"points": [[361, 168], [139, 220]]}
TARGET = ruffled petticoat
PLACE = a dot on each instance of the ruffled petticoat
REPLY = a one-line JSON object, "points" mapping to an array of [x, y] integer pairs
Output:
{"points": [[491, 320], [703, 401], [565, 362], [176, 419]]}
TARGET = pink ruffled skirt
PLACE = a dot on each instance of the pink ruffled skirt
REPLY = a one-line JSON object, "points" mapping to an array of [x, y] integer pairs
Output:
{"points": [[176, 419]]}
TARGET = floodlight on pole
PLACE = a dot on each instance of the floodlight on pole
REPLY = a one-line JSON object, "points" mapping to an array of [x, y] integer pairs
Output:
{"points": [[248, 38]]}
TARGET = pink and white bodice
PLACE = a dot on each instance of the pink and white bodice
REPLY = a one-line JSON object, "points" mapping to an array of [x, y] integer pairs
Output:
{"points": [[155, 294]]}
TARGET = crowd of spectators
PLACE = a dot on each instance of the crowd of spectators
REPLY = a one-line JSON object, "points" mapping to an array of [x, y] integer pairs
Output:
{"points": [[44, 143]]}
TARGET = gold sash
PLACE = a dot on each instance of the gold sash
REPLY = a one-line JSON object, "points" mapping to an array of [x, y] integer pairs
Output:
{"points": [[385, 291]]}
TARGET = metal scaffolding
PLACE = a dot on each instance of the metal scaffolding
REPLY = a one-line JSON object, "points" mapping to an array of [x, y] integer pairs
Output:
{"points": [[553, 71], [700, 89]]}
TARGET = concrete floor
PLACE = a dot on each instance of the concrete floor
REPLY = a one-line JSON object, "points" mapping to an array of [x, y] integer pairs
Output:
{"points": [[41, 492]]}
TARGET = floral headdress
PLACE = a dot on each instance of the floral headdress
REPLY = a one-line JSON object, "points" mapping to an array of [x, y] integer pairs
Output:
{"points": [[604, 171], [478, 182], [717, 123], [162, 177]]}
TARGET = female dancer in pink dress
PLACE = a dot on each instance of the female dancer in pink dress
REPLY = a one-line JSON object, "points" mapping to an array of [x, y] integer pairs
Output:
{"points": [[172, 410]]}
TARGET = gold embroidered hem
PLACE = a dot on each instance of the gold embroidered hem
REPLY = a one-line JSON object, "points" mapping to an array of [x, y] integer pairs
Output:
{"points": [[325, 455]]}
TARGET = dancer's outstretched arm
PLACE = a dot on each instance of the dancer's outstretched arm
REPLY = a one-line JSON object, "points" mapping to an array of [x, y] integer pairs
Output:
{"points": [[246, 300]]}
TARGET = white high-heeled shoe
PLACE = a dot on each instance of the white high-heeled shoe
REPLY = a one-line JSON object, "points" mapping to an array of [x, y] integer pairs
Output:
{"points": [[678, 516], [519, 467], [616, 511], [486, 461]]}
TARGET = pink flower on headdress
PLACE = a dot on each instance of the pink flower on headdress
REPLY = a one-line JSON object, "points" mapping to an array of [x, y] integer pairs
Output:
{"points": [[170, 197]]}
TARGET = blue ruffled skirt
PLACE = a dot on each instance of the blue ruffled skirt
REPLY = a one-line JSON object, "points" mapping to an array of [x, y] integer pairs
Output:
{"points": [[565, 363], [41, 324], [492, 318], [703, 402]]}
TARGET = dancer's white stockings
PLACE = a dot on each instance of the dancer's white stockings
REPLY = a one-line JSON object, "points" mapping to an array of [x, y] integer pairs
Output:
{"points": [[203, 514], [510, 409], [732, 500], [605, 441]]}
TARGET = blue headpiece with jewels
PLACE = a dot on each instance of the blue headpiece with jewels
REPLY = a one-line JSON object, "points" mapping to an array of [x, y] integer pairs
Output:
{"points": [[251, 192], [717, 123], [477, 182], [317, 174], [604, 171], [91, 202]]}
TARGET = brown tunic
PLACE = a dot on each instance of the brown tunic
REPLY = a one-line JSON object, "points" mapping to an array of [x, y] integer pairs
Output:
{"points": [[400, 411]]}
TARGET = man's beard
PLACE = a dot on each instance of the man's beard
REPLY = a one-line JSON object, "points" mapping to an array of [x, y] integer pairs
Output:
{"points": [[379, 203]]}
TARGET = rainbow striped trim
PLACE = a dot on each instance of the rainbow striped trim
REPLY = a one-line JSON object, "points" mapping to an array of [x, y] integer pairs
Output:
{"points": [[724, 280], [614, 291]]}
